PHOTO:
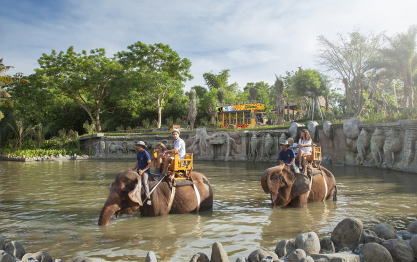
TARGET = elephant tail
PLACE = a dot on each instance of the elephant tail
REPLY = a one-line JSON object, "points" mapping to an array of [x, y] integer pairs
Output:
{"points": [[335, 193]]}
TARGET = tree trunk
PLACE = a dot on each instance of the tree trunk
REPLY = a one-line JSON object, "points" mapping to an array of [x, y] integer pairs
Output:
{"points": [[159, 104], [97, 122]]}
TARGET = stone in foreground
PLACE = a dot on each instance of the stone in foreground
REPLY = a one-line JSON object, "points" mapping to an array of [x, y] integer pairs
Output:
{"points": [[218, 254], [337, 257], [309, 242], [285, 247], [399, 249], [200, 257], [347, 234], [260, 254], [373, 252]]}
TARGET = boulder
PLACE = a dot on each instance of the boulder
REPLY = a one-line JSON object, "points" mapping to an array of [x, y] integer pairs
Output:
{"points": [[151, 257], [15, 249], [385, 231], [373, 252], [369, 236], [200, 257], [6, 257], [218, 254], [399, 250], [284, 247], [41, 256], [347, 234], [413, 245], [327, 246], [260, 254], [293, 129], [307, 259], [241, 259], [309, 242], [3, 240], [412, 227], [312, 128], [328, 129], [351, 128], [82, 259], [296, 256], [404, 234], [337, 257]]}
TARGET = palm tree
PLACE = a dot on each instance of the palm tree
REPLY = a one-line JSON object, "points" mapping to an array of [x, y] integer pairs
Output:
{"points": [[399, 60]]}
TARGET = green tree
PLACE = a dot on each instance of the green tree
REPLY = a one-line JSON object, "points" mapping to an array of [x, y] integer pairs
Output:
{"points": [[87, 78], [399, 60], [4, 80], [310, 83], [350, 58], [156, 73]]}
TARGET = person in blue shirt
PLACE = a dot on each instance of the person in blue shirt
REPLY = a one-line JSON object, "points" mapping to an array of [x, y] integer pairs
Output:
{"points": [[143, 164], [286, 155]]}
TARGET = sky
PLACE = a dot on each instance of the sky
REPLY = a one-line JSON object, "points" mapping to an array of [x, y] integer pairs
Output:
{"points": [[254, 39]]}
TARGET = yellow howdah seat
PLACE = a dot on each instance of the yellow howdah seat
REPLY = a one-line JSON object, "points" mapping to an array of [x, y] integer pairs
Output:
{"points": [[182, 167], [315, 154]]}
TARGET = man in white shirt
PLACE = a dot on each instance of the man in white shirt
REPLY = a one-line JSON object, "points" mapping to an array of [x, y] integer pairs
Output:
{"points": [[179, 148]]}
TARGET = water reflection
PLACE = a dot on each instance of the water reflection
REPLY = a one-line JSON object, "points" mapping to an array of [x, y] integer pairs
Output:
{"points": [[55, 206]]}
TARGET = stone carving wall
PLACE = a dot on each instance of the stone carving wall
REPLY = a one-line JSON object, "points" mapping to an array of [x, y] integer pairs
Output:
{"points": [[389, 145]]}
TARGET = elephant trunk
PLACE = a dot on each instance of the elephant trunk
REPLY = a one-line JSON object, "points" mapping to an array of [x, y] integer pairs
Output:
{"points": [[111, 206], [264, 182]]}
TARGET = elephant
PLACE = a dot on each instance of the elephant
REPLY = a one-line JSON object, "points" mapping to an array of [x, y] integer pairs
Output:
{"points": [[288, 189], [126, 197]]}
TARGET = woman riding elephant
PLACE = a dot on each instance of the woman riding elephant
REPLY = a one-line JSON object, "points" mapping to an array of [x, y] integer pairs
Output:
{"points": [[126, 196], [288, 189]]}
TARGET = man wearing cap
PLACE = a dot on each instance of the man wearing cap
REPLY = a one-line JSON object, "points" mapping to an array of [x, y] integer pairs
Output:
{"points": [[179, 148], [143, 164], [286, 155]]}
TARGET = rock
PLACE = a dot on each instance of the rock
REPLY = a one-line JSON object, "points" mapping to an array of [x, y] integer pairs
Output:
{"points": [[385, 231], [369, 236], [327, 246], [404, 234], [309, 242], [218, 254], [312, 128], [412, 227], [15, 249], [259, 254], [284, 247], [151, 257], [336, 257], [6, 257], [373, 252], [82, 259], [41, 256], [413, 245], [307, 259], [347, 233], [241, 259], [351, 128], [328, 129], [200, 257], [293, 129], [296, 256], [3, 240], [399, 250]]}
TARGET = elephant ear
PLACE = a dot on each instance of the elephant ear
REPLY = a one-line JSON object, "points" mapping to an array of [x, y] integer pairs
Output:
{"points": [[136, 193], [266, 177], [301, 185]]}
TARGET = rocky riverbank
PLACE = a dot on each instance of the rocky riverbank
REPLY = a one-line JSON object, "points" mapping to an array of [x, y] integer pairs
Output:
{"points": [[43, 158], [349, 242]]}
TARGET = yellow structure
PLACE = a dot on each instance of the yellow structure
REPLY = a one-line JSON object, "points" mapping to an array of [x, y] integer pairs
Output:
{"points": [[240, 116], [315, 154], [182, 167]]}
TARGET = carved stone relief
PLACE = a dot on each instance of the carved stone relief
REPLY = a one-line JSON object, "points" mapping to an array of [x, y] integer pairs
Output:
{"points": [[377, 144]]}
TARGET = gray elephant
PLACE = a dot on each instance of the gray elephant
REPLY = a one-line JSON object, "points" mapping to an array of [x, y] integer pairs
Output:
{"points": [[392, 145], [268, 145]]}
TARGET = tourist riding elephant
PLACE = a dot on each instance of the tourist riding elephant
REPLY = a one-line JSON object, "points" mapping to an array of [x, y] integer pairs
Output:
{"points": [[126, 196], [288, 189]]}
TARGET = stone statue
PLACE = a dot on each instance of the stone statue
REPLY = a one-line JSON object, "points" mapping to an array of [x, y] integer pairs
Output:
{"points": [[229, 143], [115, 148], [192, 108], [328, 129], [268, 145], [200, 145], [377, 144], [392, 145], [351, 145], [282, 138], [362, 144], [254, 146], [312, 128], [293, 130], [351, 128]]}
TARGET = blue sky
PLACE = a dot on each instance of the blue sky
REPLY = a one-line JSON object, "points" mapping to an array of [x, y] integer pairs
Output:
{"points": [[255, 39]]}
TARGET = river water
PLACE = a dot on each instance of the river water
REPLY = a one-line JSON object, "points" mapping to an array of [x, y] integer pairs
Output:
{"points": [[54, 206]]}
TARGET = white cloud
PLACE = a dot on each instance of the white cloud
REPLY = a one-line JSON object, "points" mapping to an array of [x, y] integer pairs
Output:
{"points": [[255, 39]]}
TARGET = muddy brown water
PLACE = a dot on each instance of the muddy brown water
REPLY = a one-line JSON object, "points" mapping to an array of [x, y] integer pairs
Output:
{"points": [[54, 206]]}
